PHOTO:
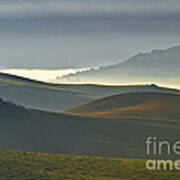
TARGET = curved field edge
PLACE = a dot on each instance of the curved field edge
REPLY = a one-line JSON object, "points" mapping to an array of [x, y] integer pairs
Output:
{"points": [[36, 166]]}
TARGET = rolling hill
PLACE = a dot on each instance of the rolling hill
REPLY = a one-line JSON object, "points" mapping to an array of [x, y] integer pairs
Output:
{"points": [[145, 105], [39, 95], [33, 130], [61, 97], [158, 66]]}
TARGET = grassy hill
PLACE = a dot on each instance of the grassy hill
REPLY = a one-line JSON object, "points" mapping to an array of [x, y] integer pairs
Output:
{"points": [[39, 131], [39, 95], [145, 105], [32, 166], [61, 97]]}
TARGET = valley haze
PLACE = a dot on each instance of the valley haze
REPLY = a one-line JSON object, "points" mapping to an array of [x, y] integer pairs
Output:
{"points": [[159, 66]]}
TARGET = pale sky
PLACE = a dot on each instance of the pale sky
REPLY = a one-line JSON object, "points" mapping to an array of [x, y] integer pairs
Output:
{"points": [[58, 34]]}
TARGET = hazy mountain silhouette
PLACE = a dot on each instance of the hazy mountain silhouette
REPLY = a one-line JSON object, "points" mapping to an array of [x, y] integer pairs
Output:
{"points": [[159, 66]]}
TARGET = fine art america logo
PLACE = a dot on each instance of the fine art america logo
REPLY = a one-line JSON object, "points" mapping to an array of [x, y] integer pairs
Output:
{"points": [[157, 147]]}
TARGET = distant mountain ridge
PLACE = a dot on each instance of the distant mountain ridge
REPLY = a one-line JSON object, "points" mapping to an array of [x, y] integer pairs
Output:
{"points": [[158, 66]]}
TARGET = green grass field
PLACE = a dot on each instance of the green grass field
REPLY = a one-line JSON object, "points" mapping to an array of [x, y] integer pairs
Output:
{"points": [[19, 165]]}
